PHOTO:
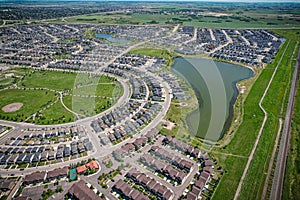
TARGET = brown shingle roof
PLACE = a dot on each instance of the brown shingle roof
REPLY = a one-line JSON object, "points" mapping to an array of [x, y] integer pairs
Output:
{"points": [[57, 172], [205, 175], [35, 177], [196, 191], [208, 163], [82, 192], [191, 196], [152, 184], [167, 195], [140, 141]]}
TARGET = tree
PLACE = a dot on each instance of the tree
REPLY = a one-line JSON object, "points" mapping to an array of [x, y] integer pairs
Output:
{"points": [[58, 189]]}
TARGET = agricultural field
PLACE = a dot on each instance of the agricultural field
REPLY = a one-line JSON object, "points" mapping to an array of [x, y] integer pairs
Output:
{"points": [[223, 21], [246, 134], [37, 94], [216, 16]]}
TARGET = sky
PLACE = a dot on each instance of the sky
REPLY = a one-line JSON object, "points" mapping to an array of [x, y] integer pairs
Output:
{"points": [[249, 1]]}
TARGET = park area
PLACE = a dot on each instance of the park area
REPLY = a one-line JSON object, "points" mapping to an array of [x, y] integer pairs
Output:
{"points": [[54, 97]]}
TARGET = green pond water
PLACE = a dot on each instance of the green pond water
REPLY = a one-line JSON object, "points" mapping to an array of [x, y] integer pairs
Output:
{"points": [[214, 84]]}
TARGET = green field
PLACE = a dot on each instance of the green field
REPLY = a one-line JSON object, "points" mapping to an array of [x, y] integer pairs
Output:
{"points": [[222, 19], [245, 136], [56, 114], [87, 106], [33, 101], [93, 99], [39, 93], [161, 53], [49, 79], [104, 89]]}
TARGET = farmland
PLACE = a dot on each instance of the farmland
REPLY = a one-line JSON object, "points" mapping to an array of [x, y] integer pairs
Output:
{"points": [[248, 21], [214, 16]]}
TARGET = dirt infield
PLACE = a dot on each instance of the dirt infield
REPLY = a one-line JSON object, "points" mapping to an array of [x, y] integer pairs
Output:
{"points": [[12, 107]]}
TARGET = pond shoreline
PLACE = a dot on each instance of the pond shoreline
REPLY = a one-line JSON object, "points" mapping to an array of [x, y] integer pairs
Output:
{"points": [[204, 96]]}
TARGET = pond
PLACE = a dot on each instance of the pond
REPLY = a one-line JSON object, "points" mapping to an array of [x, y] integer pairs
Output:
{"points": [[214, 84]]}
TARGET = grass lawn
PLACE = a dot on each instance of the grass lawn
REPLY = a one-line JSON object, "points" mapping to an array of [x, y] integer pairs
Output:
{"points": [[273, 103], [33, 101], [49, 79], [56, 114], [292, 177], [6, 82], [161, 53], [105, 90], [86, 105], [41, 100]]}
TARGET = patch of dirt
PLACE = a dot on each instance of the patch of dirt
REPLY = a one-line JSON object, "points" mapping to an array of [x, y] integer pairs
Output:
{"points": [[13, 107], [168, 125]]}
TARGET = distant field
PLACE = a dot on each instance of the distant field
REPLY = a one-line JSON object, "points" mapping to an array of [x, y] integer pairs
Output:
{"points": [[43, 97], [228, 20]]}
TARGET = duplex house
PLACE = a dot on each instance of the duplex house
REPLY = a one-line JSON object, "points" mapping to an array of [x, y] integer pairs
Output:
{"points": [[36, 177]]}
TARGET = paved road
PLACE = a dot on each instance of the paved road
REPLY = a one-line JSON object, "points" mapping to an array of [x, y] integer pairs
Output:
{"points": [[261, 128], [277, 186]]}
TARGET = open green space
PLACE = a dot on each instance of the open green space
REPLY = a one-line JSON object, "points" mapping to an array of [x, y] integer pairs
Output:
{"points": [[10, 77], [246, 134], [54, 80], [5, 82], [56, 114], [161, 53], [219, 18], [87, 106], [100, 90], [93, 99], [33, 101], [39, 92], [273, 103]]}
